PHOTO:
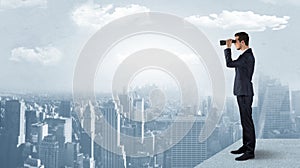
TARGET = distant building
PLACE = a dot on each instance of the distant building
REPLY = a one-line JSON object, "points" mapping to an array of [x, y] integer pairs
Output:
{"points": [[61, 128], [49, 152], [88, 135], [15, 120], [65, 109], [108, 158], [298, 124], [109, 111], [31, 118], [231, 109], [14, 134], [70, 154], [125, 101], [296, 102], [38, 132], [138, 114], [205, 106], [274, 109], [188, 152]]}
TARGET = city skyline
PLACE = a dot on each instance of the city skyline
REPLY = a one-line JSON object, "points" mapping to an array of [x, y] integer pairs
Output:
{"points": [[57, 127], [50, 131]]}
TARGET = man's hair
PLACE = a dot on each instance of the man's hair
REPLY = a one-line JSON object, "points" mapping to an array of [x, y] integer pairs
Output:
{"points": [[243, 36]]}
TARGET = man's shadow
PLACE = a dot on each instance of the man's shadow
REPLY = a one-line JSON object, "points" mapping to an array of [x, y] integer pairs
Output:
{"points": [[267, 154]]}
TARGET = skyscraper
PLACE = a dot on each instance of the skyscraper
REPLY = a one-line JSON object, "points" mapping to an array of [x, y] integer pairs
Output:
{"points": [[31, 118], [295, 102], [274, 106], [15, 120], [110, 114], [49, 152], [38, 132], [124, 100], [71, 153], [61, 128], [297, 120], [14, 134], [139, 115], [231, 109], [65, 109], [188, 152], [88, 135]]}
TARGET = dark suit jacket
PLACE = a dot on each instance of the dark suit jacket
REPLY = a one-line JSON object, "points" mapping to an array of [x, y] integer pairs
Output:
{"points": [[244, 67]]}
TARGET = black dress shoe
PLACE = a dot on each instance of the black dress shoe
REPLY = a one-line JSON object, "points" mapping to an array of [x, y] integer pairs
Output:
{"points": [[245, 156], [239, 151]]}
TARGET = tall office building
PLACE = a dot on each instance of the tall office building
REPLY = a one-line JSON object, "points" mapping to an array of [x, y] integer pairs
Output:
{"points": [[65, 109], [88, 135], [297, 120], [125, 102], [49, 152], [110, 113], [38, 132], [61, 128], [274, 109], [296, 102], [31, 118], [70, 154], [15, 120], [188, 152], [263, 82], [139, 115], [205, 105], [231, 109], [14, 134]]}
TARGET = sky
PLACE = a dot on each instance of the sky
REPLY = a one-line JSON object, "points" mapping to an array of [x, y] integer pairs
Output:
{"points": [[40, 40]]}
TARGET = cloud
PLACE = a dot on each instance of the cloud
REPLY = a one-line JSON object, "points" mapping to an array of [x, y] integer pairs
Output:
{"points": [[12, 4], [237, 20], [286, 2], [45, 55], [95, 16]]}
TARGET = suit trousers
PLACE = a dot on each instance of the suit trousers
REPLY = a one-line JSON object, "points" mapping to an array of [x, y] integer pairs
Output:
{"points": [[245, 108]]}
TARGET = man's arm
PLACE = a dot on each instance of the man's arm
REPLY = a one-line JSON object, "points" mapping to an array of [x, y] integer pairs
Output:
{"points": [[229, 62]]}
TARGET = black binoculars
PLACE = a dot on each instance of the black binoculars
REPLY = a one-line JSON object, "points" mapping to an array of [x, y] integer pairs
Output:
{"points": [[223, 42]]}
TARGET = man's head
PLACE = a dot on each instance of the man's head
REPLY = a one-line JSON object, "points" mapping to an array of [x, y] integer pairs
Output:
{"points": [[242, 40]]}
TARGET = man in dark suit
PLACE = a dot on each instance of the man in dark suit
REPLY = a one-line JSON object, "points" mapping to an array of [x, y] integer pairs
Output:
{"points": [[243, 89]]}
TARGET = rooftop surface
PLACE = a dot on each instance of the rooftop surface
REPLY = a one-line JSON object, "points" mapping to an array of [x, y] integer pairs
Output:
{"points": [[270, 153]]}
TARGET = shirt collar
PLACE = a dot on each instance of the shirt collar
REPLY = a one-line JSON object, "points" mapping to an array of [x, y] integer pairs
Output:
{"points": [[245, 50]]}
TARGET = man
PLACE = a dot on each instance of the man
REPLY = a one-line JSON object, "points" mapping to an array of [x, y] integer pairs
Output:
{"points": [[243, 89]]}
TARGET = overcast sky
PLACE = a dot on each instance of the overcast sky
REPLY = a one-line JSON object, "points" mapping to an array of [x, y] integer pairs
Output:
{"points": [[40, 40]]}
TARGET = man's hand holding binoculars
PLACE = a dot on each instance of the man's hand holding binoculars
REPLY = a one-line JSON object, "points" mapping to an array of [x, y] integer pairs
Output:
{"points": [[229, 43]]}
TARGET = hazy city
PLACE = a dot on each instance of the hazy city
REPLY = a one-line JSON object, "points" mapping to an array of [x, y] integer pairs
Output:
{"points": [[41, 130]]}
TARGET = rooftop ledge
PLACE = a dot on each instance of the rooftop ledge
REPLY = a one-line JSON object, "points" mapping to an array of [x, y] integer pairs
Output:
{"points": [[269, 153]]}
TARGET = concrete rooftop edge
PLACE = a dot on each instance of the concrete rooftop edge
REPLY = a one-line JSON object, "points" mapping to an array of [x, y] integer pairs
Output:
{"points": [[269, 153]]}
